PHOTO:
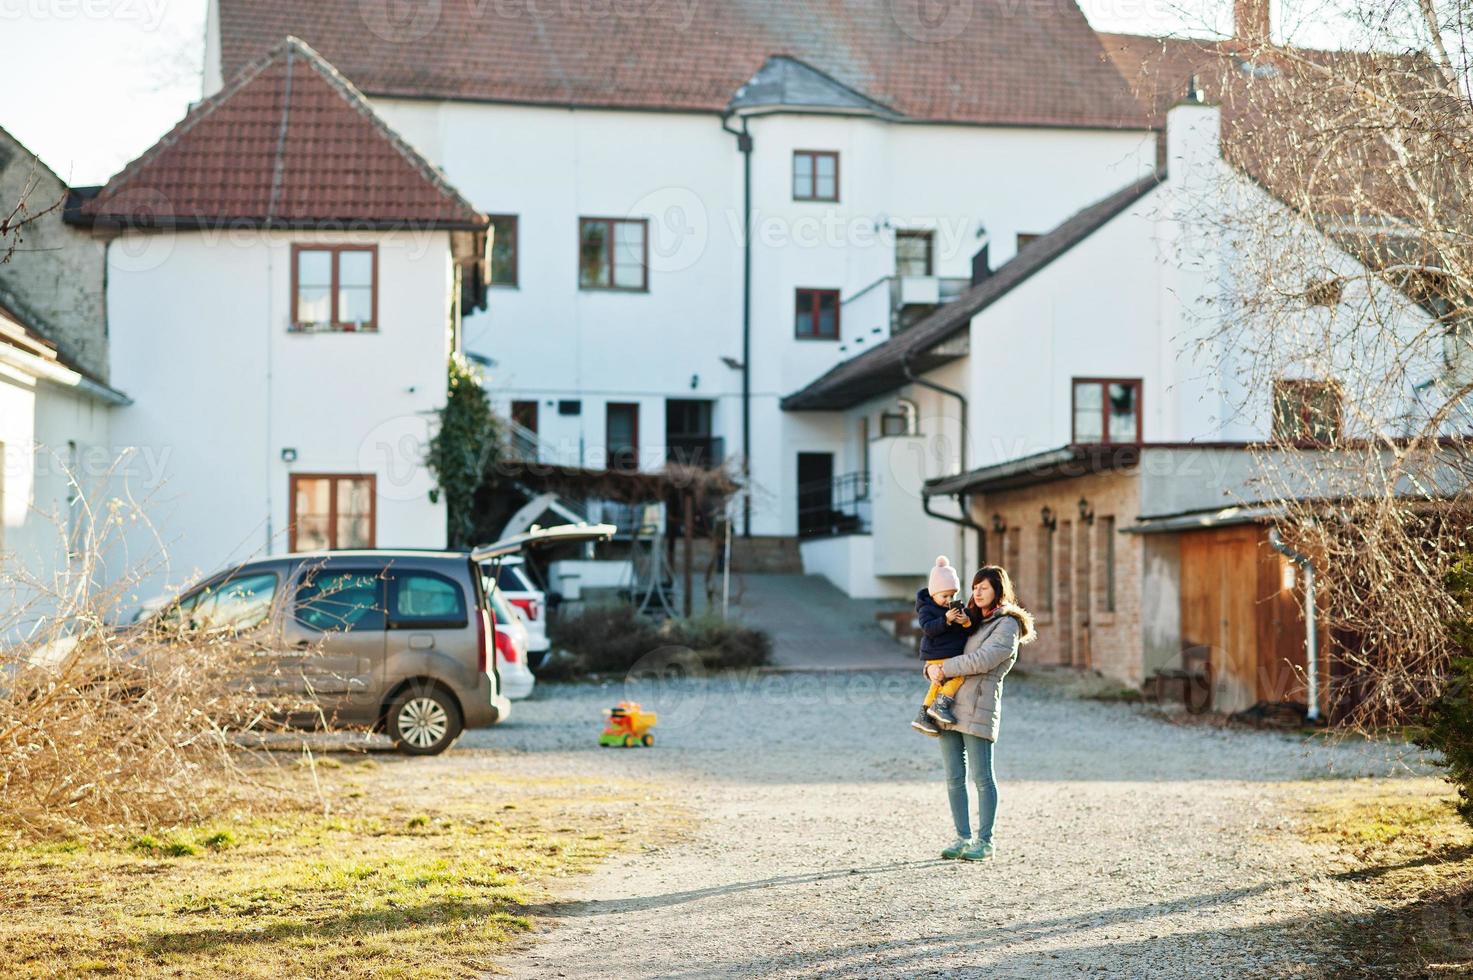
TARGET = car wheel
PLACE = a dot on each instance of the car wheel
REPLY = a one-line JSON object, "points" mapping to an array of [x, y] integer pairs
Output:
{"points": [[424, 721]]}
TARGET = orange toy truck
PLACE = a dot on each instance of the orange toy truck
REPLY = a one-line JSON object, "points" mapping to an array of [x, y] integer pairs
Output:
{"points": [[628, 726]]}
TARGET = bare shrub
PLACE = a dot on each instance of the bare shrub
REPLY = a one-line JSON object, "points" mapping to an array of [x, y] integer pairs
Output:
{"points": [[1340, 322], [137, 725]]}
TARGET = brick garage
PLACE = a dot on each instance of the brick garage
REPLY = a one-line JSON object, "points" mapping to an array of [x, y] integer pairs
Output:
{"points": [[1088, 606]]}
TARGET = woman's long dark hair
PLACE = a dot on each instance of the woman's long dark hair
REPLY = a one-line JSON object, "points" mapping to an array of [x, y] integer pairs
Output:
{"points": [[1007, 600], [1002, 587]]}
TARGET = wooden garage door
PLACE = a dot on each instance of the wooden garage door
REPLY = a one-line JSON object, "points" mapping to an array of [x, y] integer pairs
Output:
{"points": [[1219, 587]]}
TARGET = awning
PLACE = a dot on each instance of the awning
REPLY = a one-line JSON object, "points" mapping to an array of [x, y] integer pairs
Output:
{"points": [[1205, 519], [1064, 463]]}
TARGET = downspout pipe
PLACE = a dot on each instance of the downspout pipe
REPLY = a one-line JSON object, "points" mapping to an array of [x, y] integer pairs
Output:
{"points": [[1311, 637], [964, 521], [744, 146], [961, 502], [961, 400]]}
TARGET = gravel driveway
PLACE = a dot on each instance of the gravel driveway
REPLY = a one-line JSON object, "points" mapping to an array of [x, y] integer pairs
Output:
{"points": [[1126, 846]]}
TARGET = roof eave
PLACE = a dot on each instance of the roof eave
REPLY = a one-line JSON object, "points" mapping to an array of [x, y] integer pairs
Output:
{"points": [[1063, 463]]}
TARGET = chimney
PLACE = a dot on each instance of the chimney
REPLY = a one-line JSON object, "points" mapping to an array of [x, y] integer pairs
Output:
{"points": [[1193, 140], [981, 267], [1252, 22]]}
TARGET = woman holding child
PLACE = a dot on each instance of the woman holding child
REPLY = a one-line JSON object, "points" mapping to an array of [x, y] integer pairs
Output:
{"points": [[968, 648]]}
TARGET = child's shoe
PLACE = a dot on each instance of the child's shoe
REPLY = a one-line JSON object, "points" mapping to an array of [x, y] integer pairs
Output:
{"points": [[941, 710], [955, 850], [923, 723], [977, 851]]}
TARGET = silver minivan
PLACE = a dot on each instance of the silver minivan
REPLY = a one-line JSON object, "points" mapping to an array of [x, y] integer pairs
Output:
{"points": [[399, 641], [402, 642]]}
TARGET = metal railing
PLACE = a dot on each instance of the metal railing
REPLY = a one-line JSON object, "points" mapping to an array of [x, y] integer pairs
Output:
{"points": [[707, 452], [832, 507]]}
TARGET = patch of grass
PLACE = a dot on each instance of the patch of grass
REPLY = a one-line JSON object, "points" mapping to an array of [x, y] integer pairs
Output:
{"points": [[220, 840], [363, 892], [162, 847], [1402, 844]]}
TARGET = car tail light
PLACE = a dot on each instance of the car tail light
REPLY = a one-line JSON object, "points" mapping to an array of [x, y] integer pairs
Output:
{"points": [[506, 647], [483, 626], [528, 606]]}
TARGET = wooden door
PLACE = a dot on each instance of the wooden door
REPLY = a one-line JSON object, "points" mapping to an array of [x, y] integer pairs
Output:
{"points": [[1219, 592]]}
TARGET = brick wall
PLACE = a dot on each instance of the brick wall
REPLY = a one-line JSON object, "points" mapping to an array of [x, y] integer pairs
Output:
{"points": [[57, 270], [1079, 629]]}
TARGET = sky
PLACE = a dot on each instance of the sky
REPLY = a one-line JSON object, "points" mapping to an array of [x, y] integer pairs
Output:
{"points": [[119, 73]]}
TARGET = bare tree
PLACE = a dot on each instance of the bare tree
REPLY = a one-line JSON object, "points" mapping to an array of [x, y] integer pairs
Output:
{"points": [[1341, 323], [22, 213]]}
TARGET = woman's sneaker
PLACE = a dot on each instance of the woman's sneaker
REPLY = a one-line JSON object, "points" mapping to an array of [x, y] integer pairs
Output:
{"points": [[955, 850], [977, 851], [941, 710], [923, 723]]}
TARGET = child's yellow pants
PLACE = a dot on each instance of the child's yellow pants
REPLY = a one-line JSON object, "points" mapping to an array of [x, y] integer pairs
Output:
{"points": [[948, 687]]}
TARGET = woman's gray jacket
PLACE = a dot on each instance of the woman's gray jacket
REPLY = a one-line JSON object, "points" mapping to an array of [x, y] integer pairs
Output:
{"points": [[989, 654]]}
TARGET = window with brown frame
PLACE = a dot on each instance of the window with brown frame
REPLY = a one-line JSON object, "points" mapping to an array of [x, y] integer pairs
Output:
{"points": [[1307, 412], [1025, 239], [524, 413], [815, 175], [334, 288], [332, 511], [621, 423], [816, 314], [1107, 411], [503, 250], [613, 253], [913, 253]]}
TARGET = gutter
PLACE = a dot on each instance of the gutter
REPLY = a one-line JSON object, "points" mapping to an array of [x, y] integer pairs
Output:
{"points": [[1311, 634], [62, 376], [744, 146]]}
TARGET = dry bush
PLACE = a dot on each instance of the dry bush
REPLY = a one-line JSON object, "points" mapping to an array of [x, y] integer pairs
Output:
{"points": [[131, 725], [1350, 270]]}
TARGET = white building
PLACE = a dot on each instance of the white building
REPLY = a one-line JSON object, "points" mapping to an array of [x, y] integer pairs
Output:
{"points": [[284, 282], [53, 424], [621, 155], [55, 402], [1107, 450]]}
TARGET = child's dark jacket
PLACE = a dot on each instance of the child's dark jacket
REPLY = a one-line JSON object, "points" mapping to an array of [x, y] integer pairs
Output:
{"points": [[939, 639]]}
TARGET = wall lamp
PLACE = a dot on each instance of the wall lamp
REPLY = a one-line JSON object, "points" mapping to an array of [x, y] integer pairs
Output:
{"points": [[998, 524], [1086, 511], [1049, 518]]}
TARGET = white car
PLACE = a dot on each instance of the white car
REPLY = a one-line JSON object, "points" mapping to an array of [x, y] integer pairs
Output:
{"points": [[517, 679], [530, 601]]}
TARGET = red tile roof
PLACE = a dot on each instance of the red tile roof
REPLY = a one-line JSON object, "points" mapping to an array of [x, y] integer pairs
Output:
{"points": [[982, 61], [288, 142], [1284, 111]]}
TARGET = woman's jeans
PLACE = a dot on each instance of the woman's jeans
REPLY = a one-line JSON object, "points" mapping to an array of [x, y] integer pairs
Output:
{"points": [[959, 753]]}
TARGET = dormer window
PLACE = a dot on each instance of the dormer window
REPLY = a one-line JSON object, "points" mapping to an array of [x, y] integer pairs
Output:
{"points": [[334, 288]]}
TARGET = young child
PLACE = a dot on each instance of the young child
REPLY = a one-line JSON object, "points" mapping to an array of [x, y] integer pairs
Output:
{"points": [[945, 636]]}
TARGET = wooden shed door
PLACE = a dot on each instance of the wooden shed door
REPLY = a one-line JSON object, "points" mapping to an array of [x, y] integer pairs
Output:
{"points": [[1219, 588]]}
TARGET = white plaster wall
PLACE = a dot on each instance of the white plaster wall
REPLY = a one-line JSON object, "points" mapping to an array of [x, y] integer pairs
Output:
{"points": [[220, 388], [552, 341], [47, 432], [848, 563]]}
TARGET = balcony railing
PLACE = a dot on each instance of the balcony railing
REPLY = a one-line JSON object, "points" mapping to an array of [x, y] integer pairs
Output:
{"points": [[837, 506], [707, 452]]}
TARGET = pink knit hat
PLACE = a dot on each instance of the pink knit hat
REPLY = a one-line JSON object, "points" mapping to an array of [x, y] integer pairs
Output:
{"points": [[943, 577]]}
